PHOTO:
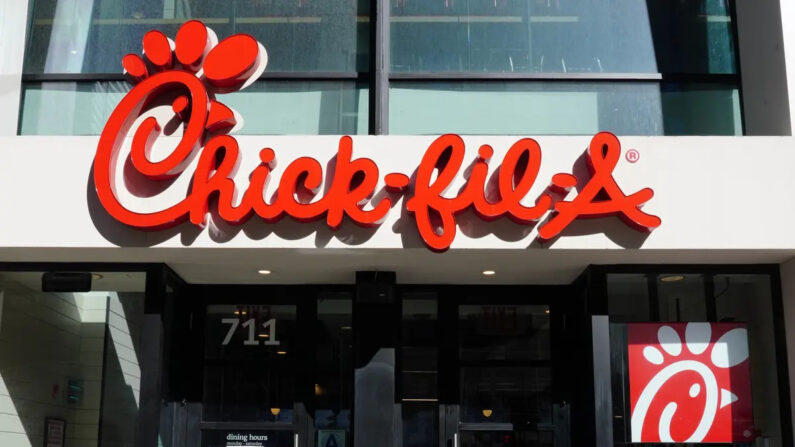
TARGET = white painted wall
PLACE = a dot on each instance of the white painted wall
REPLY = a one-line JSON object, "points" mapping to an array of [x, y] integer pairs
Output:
{"points": [[711, 193]]}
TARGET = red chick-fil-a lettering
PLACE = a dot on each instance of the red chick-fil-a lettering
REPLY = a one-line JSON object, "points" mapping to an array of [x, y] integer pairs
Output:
{"points": [[352, 182]]}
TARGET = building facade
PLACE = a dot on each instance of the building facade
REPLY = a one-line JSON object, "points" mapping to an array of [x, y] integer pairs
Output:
{"points": [[398, 223]]}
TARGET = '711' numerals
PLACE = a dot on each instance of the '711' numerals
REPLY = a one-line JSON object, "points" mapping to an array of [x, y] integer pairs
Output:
{"points": [[250, 324]]}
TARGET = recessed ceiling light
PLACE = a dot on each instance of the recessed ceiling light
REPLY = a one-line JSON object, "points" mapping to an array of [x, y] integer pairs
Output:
{"points": [[672, 278], [281, 352], [489, 272], [264, 272], [96, 276]]}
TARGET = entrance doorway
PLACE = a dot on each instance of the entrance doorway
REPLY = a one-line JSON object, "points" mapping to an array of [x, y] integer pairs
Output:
{"points": [[474, 365], [485, 366], [277, 367]]}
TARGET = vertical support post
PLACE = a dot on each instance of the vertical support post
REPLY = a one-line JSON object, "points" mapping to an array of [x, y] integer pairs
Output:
{"points": [[379, 67], [375, 339], [600, 325]]}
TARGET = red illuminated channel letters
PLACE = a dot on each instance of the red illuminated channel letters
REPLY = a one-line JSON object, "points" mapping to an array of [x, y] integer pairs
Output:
{"points": [[199, 68]]}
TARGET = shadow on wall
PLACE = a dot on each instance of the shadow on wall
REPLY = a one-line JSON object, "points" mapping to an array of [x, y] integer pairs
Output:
{"points": [[352, 234], [46, 340], [122, 373]]}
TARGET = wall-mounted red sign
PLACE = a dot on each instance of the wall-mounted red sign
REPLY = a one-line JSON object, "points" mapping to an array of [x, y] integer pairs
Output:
{"points": [[198, 69], [689, 382]]}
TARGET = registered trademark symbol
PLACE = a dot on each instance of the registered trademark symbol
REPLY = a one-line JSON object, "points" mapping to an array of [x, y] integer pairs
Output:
{"points": [[633, 155]]}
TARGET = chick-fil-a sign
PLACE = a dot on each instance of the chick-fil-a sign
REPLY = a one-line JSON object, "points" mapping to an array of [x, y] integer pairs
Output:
{"points": [[195, 68]]}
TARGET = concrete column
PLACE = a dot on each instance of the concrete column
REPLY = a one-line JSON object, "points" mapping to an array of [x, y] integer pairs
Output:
{"points": [[13, 30], [763, 65], [788, 27]]}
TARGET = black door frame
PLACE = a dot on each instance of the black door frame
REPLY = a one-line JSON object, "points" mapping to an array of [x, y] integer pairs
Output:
{"points": [[565, 312], [305, 298]]}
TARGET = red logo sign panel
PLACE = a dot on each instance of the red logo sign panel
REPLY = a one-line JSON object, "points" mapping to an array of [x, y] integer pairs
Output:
{"points": [[195, 69], [689, 382]]}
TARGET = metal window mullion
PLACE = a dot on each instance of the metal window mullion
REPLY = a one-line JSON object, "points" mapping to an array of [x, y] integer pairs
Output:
{"points": [[379, 67]]}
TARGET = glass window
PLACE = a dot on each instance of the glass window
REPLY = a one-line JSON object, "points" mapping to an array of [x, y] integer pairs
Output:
{"points": [[250, 363], [334, 353], [592, 36], [562, 108], [420, 371], [267, 107], [742, 303], [504, 332], [71, 356], [78, 36]]}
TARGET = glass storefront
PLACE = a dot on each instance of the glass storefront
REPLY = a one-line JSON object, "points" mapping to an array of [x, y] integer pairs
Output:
{"points": [[687, 313], [509, 366]]}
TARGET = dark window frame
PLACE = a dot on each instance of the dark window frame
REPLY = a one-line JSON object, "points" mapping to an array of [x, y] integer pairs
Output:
{"points": [[598, 298], [379, 76]]}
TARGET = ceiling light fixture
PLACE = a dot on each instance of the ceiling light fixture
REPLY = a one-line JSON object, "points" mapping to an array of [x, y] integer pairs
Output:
{"points": [[264, 272], [672, 278], [489, 272]]}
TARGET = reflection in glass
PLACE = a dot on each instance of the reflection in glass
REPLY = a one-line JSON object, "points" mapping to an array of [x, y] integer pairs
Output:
{"points": [[420, 371], [301, 108], [681, 298], [594, 36], [266, 107], [555, 108], [83, 107], [91, 36], [504, 332], [334, 370], [74, 356], [250, 363], [749, 299], [519, 398]]}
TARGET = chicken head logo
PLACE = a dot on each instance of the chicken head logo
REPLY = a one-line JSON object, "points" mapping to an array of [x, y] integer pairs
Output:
{"points": [[689, 382]]}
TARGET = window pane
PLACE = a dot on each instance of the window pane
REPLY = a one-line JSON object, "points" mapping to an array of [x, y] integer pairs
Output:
{"points": [[91, 36], [250, 363], [562, 36], [628, 297], [518, 397], [71, 356], [681, 298], [748, 299], [556, 108], [497, 332], [301, 108], [334, 357], [420, 370], [267, 107]]}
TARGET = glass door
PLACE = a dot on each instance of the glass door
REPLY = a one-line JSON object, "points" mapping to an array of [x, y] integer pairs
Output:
{"points": [[277, 367], [250, 383], [506, 375], [482, 366]]}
